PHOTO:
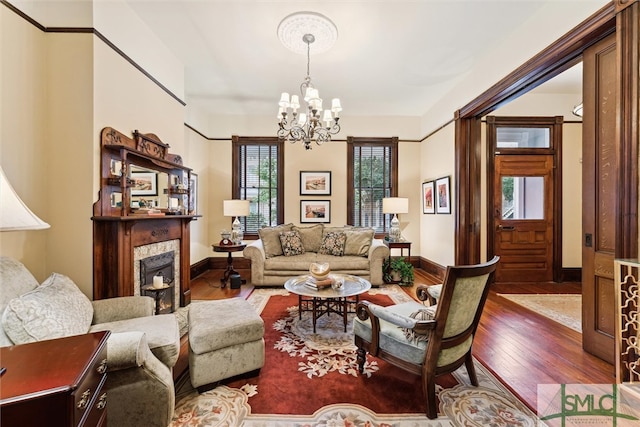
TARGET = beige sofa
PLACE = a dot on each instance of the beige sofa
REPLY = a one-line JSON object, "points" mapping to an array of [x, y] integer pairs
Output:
{"points": [[287, 251], [141, 349]]}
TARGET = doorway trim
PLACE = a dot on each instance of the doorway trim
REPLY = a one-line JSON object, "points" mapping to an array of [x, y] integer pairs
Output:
{"points": [[552, 61]]}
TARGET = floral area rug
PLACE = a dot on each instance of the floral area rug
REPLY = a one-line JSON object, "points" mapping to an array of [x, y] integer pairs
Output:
{"points": [[311, 380], [565, 309]]}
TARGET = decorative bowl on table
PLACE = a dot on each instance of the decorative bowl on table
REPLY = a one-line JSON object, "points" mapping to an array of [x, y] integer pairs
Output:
{"points": [[319, 270]]}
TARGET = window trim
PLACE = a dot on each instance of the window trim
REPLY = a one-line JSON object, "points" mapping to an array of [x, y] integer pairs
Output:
{"points": [[236, 143], [353, 142]]}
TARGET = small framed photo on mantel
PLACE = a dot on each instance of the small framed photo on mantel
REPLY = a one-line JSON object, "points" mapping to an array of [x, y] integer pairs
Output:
{"points": [[315, 183]]}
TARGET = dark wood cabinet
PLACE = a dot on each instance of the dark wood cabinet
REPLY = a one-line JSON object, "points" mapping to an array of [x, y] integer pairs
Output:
{"points": [[55, 383]]}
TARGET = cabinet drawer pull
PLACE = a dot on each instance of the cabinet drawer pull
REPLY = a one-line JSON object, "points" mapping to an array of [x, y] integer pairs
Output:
{"points": [[102, 402], [84, 399], [102, 367]]}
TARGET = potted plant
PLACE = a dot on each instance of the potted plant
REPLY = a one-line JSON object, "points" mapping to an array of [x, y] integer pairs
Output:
{"points": [[398, 270]]}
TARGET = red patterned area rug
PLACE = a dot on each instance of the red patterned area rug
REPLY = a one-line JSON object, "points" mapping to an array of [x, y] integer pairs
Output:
{"points": [[311, 379]]}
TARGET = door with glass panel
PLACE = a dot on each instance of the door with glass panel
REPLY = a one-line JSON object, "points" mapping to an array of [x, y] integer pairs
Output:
{"points": [[522, 209]]}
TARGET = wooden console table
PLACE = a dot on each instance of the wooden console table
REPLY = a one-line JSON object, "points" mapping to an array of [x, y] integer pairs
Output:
{"points": [[55, 383]]}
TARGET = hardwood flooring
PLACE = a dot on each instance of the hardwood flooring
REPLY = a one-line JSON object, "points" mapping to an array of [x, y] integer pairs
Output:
{"points": [[520, 347]]}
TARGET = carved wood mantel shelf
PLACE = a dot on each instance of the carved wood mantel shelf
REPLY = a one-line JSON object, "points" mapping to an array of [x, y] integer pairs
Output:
{"points": [[118, 229]]}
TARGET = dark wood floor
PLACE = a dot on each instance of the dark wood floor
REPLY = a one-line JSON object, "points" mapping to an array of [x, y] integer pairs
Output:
{"points": [[520, 347]]}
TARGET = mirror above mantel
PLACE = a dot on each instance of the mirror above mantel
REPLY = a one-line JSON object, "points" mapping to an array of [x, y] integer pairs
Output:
{"points": [[140, 177]]}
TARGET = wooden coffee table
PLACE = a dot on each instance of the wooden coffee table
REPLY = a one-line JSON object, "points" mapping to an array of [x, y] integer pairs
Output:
{"points": [[328, 300]]}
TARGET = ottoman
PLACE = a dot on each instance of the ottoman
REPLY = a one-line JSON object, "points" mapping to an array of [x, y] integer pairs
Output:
{"points": [[226, 338]]}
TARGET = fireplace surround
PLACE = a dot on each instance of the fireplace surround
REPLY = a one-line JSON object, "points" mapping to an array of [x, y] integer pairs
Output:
{"points": [[120, 230]]}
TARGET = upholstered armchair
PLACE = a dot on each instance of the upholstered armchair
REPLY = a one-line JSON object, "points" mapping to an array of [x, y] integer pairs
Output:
{"points": [[428, 340], [141, 349]]}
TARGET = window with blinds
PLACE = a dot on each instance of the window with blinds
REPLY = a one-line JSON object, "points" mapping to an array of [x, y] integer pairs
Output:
{"points": [[373, 171], [257, 176]]}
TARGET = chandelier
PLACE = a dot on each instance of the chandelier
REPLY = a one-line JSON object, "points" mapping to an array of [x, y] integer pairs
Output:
{"points": [[312, 123]]}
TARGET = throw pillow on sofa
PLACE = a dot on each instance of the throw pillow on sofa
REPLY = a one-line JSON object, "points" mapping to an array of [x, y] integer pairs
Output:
{"points": [[333, 243], [55, 309], [358, 241], [291, 243], [270, 237], [311, 237]]}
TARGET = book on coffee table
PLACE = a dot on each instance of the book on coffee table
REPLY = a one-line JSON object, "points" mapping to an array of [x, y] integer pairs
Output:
{"points": [[312, 282]]}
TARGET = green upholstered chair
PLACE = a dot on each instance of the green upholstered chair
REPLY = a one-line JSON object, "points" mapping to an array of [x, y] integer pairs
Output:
{"points": [[428, 340]]}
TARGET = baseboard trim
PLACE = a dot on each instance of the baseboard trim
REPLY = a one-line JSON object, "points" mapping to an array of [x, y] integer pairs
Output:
{"points": [[572, 274], [434, 269]]}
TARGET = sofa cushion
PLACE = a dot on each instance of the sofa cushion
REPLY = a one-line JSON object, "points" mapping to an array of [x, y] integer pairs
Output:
{"points": [[270, 237], [292, 263], [291, 243], [56, 308], [311, 237], [333, 243], [358, 241], [345, 263], [162, 333]]}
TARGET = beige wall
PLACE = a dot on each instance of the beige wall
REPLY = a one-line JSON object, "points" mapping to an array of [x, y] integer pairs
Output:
{"points": [[437, 231], [23, 113]]}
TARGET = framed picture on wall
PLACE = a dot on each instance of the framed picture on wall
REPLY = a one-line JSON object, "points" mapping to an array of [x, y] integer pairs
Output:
{"points": [[315, 211], [428, 206], [193, 196], [144, 183], [443, 195], [315, 183]]}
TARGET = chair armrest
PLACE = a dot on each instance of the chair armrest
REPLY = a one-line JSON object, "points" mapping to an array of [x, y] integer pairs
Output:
{"points": [[127, 350], [122, 308], [366, 309]]}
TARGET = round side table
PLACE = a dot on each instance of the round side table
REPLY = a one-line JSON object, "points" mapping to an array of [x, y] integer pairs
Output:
{"points": [[230, 270]]}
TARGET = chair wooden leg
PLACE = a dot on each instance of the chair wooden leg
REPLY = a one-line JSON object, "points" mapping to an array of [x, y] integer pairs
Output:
{"points": [[471, 369], [429, 386], [361, 357]]}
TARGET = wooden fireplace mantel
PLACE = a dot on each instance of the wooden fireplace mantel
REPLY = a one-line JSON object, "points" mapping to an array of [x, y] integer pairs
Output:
{"points": [[118, 229]]}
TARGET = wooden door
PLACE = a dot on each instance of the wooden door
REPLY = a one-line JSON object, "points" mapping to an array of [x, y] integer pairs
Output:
{"points": [[523, 208], [599, 198]]}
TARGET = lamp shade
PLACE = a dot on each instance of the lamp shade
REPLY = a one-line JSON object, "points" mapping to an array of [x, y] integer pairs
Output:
{"points": [[14, 214], [395, 205], [236, 207]]}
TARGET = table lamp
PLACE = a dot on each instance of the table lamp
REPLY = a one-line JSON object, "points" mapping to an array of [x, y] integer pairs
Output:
{"points": [[14, 214], [395, 206], [236, 208]]}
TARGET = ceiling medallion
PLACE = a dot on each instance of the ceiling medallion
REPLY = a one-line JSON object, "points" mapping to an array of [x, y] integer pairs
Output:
{"points": [[293, 28]]}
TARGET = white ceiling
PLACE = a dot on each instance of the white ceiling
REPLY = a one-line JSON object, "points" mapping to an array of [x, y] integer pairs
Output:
{"points": [[391, 58]]}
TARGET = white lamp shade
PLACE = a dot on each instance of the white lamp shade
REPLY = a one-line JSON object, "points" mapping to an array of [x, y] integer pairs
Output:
{"points": [[14, 214], [395, 205], [236, 208]]}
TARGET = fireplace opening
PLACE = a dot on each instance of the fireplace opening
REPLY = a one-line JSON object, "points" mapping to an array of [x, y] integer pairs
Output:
{"points": [[159, 265]]}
